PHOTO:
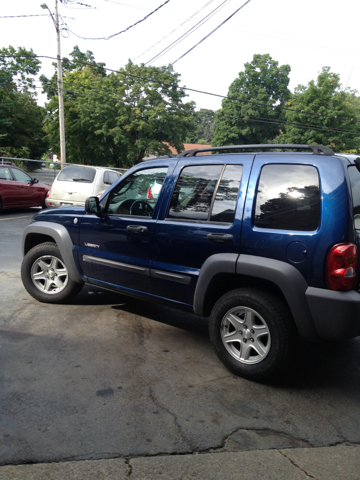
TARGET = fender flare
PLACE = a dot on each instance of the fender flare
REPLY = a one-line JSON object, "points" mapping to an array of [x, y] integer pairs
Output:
{"points": [[62, 239], [284, 275], [291, 283]]}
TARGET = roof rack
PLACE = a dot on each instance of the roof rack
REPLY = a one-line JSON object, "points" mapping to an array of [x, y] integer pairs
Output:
{"points": [[316, 149]]}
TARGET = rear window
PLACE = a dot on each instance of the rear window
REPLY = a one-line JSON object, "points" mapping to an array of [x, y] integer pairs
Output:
{"points": [[354, 176], [77, 174], [288, 198]]}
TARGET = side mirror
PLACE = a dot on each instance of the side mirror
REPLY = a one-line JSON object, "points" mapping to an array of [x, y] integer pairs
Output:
{"points": [[92, 205], [34, 180]]}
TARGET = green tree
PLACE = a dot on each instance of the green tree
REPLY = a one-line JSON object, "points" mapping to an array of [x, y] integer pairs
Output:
{"points": [[204, 127], [115, 119], [21, 118], [253, 110], [328, 115]]}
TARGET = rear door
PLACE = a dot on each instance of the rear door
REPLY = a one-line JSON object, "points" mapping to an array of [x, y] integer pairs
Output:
{"points": [[115, 249], [201, 217]]}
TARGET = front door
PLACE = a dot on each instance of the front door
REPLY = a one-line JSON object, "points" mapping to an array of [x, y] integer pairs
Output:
{"points": [[115, 248], [201, 218]]}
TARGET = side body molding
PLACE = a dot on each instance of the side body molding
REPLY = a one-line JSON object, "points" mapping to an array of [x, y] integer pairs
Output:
{"points": [[291, 283], [62, 238]]}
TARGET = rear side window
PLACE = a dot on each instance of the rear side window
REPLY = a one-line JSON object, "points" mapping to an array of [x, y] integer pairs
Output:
{"points": [[77, 174], [5, 174], [110, 177], [206, 193], [288, 198], [354, 176]]}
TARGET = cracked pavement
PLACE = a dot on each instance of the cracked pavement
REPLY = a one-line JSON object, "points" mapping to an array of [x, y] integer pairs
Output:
{"points": [[137, 385]]}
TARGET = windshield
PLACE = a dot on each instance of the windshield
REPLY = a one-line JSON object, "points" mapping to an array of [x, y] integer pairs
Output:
{"points": [[77, 174]]}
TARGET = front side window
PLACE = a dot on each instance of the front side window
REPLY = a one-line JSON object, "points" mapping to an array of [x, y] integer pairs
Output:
{"points": [[137, 194], [288, 198], [77, 174], [21, 176], [206, 193]]}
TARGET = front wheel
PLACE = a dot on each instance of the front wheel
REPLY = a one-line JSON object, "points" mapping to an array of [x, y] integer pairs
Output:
{"points": [[253, 333], [45, 275]]}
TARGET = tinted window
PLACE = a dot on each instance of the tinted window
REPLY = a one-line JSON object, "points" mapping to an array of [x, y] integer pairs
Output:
{"points": [[227, 195], [135, 195], [20, 176], [354, 175], [288, 198], [77, 174], [193, 192], [110, 177]]}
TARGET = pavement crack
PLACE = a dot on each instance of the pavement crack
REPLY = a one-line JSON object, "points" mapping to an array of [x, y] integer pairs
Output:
{"points": [[265, 438], [167, 410], [296, 465], [130, 468]]}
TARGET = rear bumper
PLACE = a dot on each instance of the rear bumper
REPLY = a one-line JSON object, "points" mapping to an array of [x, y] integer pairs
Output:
{"points": [[50, 203], [336, 315]]}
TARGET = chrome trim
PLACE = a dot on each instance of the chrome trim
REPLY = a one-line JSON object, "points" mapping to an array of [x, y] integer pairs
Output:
{"points": [[121, 266], [171, 276]]}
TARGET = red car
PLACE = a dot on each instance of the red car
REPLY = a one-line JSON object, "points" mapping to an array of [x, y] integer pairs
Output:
{"points": [[19, 190]]}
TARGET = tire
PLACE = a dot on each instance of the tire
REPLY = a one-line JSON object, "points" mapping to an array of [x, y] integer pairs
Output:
{"points": [[43, 206], [45, 275], [253, 334], [0, 205]]}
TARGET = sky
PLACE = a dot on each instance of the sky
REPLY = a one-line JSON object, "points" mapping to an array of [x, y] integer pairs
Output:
{"points": [[306, 34]]}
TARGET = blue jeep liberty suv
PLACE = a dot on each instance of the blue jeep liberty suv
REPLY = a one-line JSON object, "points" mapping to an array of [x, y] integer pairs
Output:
{"points": [[263, 239]]}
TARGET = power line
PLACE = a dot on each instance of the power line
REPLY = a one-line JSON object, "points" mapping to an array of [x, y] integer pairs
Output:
{"points": [[177, 28], [122, 31], [188, 89], [189, 32], [207, 36], [22, 16]]}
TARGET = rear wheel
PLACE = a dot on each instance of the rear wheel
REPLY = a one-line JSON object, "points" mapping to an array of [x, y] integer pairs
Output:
{"points": [[43, 203], [253, 333], [45, 275]]}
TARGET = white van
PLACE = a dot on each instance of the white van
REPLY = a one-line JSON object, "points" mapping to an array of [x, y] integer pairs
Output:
{"points": [[74, 185]]}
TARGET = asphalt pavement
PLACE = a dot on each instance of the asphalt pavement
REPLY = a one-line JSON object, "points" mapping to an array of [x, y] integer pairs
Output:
{"points": [[107, 387]]}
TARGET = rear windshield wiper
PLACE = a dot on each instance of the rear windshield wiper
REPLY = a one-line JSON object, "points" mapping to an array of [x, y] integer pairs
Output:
{"points": [[81, 180]]}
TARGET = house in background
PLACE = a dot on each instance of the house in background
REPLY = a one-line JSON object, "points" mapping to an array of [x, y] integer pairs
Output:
{"points": [[187, 146]]}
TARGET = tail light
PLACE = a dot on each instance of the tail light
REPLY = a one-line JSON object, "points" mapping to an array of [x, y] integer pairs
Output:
{"points": [[48, 194], [149, 193], [341, 266]]}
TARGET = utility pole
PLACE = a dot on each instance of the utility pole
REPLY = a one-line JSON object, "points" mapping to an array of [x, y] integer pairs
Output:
{"points": [[59, 82]]}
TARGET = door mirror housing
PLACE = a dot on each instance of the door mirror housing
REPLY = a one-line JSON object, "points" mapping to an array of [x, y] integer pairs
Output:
{"points": [[92, 205], [34, 180]]}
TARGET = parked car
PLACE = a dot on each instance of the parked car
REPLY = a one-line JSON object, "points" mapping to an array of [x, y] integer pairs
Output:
{"points": [[74, 184], [20, 190], [263, 242]]}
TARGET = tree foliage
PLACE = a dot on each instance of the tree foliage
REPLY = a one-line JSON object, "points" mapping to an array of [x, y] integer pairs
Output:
{"points": [[253, 110], [204, 127], [21, 119], [115, 119], [323, 113]]}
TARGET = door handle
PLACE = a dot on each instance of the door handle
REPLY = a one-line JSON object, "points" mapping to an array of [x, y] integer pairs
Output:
{"points": [[220, 237], [136, 229]]}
